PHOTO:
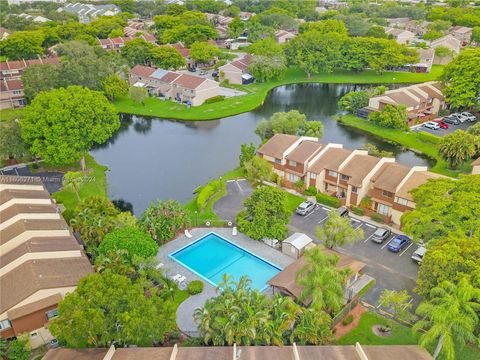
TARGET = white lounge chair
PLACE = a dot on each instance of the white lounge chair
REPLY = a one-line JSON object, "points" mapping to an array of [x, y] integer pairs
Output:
{"points": [[176, 277], [159, 265], [234, 231], [181, 279], [187, 234]]}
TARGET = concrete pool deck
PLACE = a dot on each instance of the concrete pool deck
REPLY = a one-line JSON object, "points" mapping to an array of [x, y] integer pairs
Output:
{"points": [[186, 309]]}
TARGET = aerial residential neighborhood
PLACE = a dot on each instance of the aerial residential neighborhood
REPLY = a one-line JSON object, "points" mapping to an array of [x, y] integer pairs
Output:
{"points": [[232, 179]]}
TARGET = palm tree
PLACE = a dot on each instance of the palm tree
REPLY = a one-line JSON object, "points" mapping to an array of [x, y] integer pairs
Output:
{"points": [[73, 180], [322, 282], [337, 231], [449, 317], [313, 328]]}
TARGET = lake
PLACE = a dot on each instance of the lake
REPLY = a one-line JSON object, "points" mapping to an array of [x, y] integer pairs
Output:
{"points": [[150, 158]]}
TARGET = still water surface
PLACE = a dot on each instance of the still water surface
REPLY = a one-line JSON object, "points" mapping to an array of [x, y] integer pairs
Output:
{"points": [[152, 158]]}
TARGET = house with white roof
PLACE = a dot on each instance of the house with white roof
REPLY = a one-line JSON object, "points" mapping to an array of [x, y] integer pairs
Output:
{"points": [[401, 36], [86, 12], [461, 33], [296, 244]]}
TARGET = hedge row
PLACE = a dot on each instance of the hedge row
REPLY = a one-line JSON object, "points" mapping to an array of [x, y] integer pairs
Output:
{"points": [[428, 138], [206, 193], [328, 200]]}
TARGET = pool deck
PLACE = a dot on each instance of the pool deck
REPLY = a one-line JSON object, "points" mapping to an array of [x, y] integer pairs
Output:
{"points": [[186, 309]]}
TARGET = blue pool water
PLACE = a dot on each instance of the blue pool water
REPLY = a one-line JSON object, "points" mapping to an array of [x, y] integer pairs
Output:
{"points": [[212, 256]]}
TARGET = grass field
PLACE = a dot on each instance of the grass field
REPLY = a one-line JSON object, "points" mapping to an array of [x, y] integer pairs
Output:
{"points": [[408, 139], [258, 91], [10, 114]]}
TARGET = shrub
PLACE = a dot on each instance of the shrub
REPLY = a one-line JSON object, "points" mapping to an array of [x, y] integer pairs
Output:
{"points": [[195, 287], [206, 193], [377, 217], [428, 138], [311, 191], [214, 99], [299, 185], [366, 202], [328, 200], [348, 320], [358, 211]]}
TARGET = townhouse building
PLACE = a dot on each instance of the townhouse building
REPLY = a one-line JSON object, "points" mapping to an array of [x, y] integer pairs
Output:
{"points": [[461, 33], [115, 44], [11, 94], [40, 259], [349, 175], [417, 27], [236, 72], [401, 36], [14, 69], [283, 36]]}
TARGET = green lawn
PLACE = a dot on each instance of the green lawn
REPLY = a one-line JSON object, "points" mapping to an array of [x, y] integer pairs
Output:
{"points": [[408, 139], [258, 91], [95, 186], [293, 201], [10, 114]]}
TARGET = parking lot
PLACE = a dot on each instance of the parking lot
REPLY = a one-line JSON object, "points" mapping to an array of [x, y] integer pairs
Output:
{"points": [[52, 180], [442, 132]]}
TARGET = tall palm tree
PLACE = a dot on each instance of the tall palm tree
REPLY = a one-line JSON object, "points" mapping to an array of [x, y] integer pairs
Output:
{"points": [[449, 317], [322, 282], [313, 328]]}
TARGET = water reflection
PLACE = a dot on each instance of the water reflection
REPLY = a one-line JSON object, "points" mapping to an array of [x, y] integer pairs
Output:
{"points": [[158, 158]]}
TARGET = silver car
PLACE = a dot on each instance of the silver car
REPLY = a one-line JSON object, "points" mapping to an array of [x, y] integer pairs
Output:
{"points": [[380, 235], [460, 117], [419, 254], [305, 208], [470, 117]]}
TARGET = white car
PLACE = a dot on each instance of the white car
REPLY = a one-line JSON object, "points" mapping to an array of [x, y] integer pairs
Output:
{"points": [[470, 117], [432, 125], [460, 117]]}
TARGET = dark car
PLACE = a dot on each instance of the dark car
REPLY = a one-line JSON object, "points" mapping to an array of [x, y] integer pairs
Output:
{"points": [[451, 120], [398, 243], [380, 235], [305, 208], [342, 211], [215, 73]]}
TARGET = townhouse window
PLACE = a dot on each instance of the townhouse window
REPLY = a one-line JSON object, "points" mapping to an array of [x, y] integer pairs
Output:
{"points": [[354, 189], [16, 92], [292, 163], [51, 314], [313, 176], [5, 324], [332, 173], [292, 178], [383, 209], [387, 194], [345, 177], [278, 161], [401, 201]]}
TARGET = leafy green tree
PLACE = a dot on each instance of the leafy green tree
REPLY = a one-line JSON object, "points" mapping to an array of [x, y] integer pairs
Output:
{"points": [[114, 87], [353, 101], [432, 35], [82, 118], [138, 94], [188, 34], [167, 57], [337, 231], [203, 52], [247, 153], [37, 78], [399, 302], [322, 282], [258, 170], [394, 117], [462, 80], [235, 28], [126, 5], [163, 220], [476, 35], [444, 206], [292, 122], [266, 47], [449, 317], [11, 142], [265, 214], [265, 68], [314, 328], [108, 308], [324, 27], [443, 52], [458, 147], [474, 129], [115, 33], [22, 45], [136, 243], [18, 349], [73, 180], [137, 51], [376, 32], [450, 258], [439, 25], [356, 24], [375, 151]]}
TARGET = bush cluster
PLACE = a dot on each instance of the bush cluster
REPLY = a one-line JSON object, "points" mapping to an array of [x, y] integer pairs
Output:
{"points": [[358, 211], [428, 138], [348, 320], [377, 217], [328, 200], [214, 99], [195, 287], [311, 191]]}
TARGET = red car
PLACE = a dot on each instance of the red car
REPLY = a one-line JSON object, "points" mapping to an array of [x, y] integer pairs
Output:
{"points": [[443, 125]]}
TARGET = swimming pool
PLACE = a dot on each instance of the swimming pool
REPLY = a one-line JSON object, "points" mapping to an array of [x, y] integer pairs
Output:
{"points": [[212, 256]]}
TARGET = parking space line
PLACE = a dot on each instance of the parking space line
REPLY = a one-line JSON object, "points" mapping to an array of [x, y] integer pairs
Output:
{"points": [[408, 247], [368, 238], [325, 218], [372, 226], [310, 213], [324, 208], [389, 241], [239, 187]]}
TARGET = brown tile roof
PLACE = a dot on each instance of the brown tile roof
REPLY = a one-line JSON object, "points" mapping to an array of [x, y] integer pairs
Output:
{"points": [[305, 151], [142, 353], [432, 93], [416, 179], [401, 97], [76, 354], [34, 306], [189, 81], [286, 279], [140, 70], [21, 226], [396, 352], [358, 168], [20, 180], [7, 195], [389, 176], [34, 275], [169, 77], [331, 160], [276, 145], [16, 209]]}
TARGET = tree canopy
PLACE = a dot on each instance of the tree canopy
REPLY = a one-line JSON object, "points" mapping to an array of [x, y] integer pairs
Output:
{"points": [[265, 68], [394, 117], [458, 147], [292, 122], [337, 231]]}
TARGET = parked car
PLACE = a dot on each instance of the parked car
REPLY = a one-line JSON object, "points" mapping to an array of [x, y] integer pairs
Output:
{"points": [[419, 254], [460, 117], [398, 243], [443, 124], [380, 235], [451, 120], [203, 72], [470, 117], [305, 208], [432, 125], [342, 211], [215, 73]]}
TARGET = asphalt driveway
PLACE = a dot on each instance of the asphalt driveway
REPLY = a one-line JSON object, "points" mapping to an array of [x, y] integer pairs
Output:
{"points": [[230, 205], [52, 179], [442, 132]]}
